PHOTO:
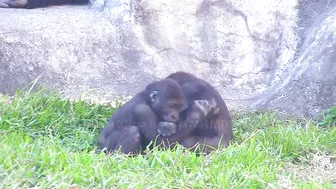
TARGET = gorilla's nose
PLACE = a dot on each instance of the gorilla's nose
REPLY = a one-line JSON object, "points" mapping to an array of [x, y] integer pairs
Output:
{"points": [[174, 117]]}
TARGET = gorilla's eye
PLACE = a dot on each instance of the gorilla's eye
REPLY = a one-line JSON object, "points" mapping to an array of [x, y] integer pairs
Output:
{"points": [[173, 105], [176, 105]]}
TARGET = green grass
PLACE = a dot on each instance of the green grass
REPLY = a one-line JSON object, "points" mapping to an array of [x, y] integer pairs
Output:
{"points": [[329, 118], [49, 142]]}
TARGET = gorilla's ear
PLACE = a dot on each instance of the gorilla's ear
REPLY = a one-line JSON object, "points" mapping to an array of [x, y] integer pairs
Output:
{"points": [[152, 96]]}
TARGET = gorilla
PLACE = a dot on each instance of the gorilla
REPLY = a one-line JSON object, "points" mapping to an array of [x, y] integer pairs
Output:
{"points": [[31, 4], [204, 121], [134, 125], [180, 108]]}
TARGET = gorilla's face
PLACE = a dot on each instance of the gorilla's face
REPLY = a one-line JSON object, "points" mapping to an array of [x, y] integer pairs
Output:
{"points": [[168, 102]]}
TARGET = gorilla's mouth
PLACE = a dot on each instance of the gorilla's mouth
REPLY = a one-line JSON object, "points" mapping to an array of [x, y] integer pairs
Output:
{"points": [[169, 119]]}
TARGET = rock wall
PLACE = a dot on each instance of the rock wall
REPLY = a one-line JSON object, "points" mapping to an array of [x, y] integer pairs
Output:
{"points": [[274, 54], [309, 84], [243, 46]]}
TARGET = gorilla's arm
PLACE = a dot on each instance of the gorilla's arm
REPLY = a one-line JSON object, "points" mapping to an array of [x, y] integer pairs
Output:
{"points": [[146, 120], [149, 125], [196, 113]]}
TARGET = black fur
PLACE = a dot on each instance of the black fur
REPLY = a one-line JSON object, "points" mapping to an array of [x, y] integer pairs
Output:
{"points": [[212, 128], [134, 125]]}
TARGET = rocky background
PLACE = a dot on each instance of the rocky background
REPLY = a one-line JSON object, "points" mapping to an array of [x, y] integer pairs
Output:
{"points": [[275, 54]]}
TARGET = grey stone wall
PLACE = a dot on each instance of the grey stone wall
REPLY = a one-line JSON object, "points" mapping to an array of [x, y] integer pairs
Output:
{"points": [[262, 55]]}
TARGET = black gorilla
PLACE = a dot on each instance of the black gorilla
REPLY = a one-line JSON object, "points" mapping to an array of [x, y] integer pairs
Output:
{"points": [[180, 108], [205, 120], [134, 125]]}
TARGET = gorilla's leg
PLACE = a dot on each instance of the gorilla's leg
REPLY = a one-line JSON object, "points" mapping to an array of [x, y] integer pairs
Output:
{"points": [[126, 139], [14, 4], [211, 136], [202, 144]]}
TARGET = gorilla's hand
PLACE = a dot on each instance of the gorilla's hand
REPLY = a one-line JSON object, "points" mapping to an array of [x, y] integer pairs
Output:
{"points": [[166, 128], [204, 106]]}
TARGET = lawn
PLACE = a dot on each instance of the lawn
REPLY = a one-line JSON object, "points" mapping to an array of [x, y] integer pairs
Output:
{"points": [[49, 142]]}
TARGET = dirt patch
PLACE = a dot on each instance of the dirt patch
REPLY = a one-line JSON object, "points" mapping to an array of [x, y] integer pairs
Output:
{"points": [[320, 169], [5, 99]]}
